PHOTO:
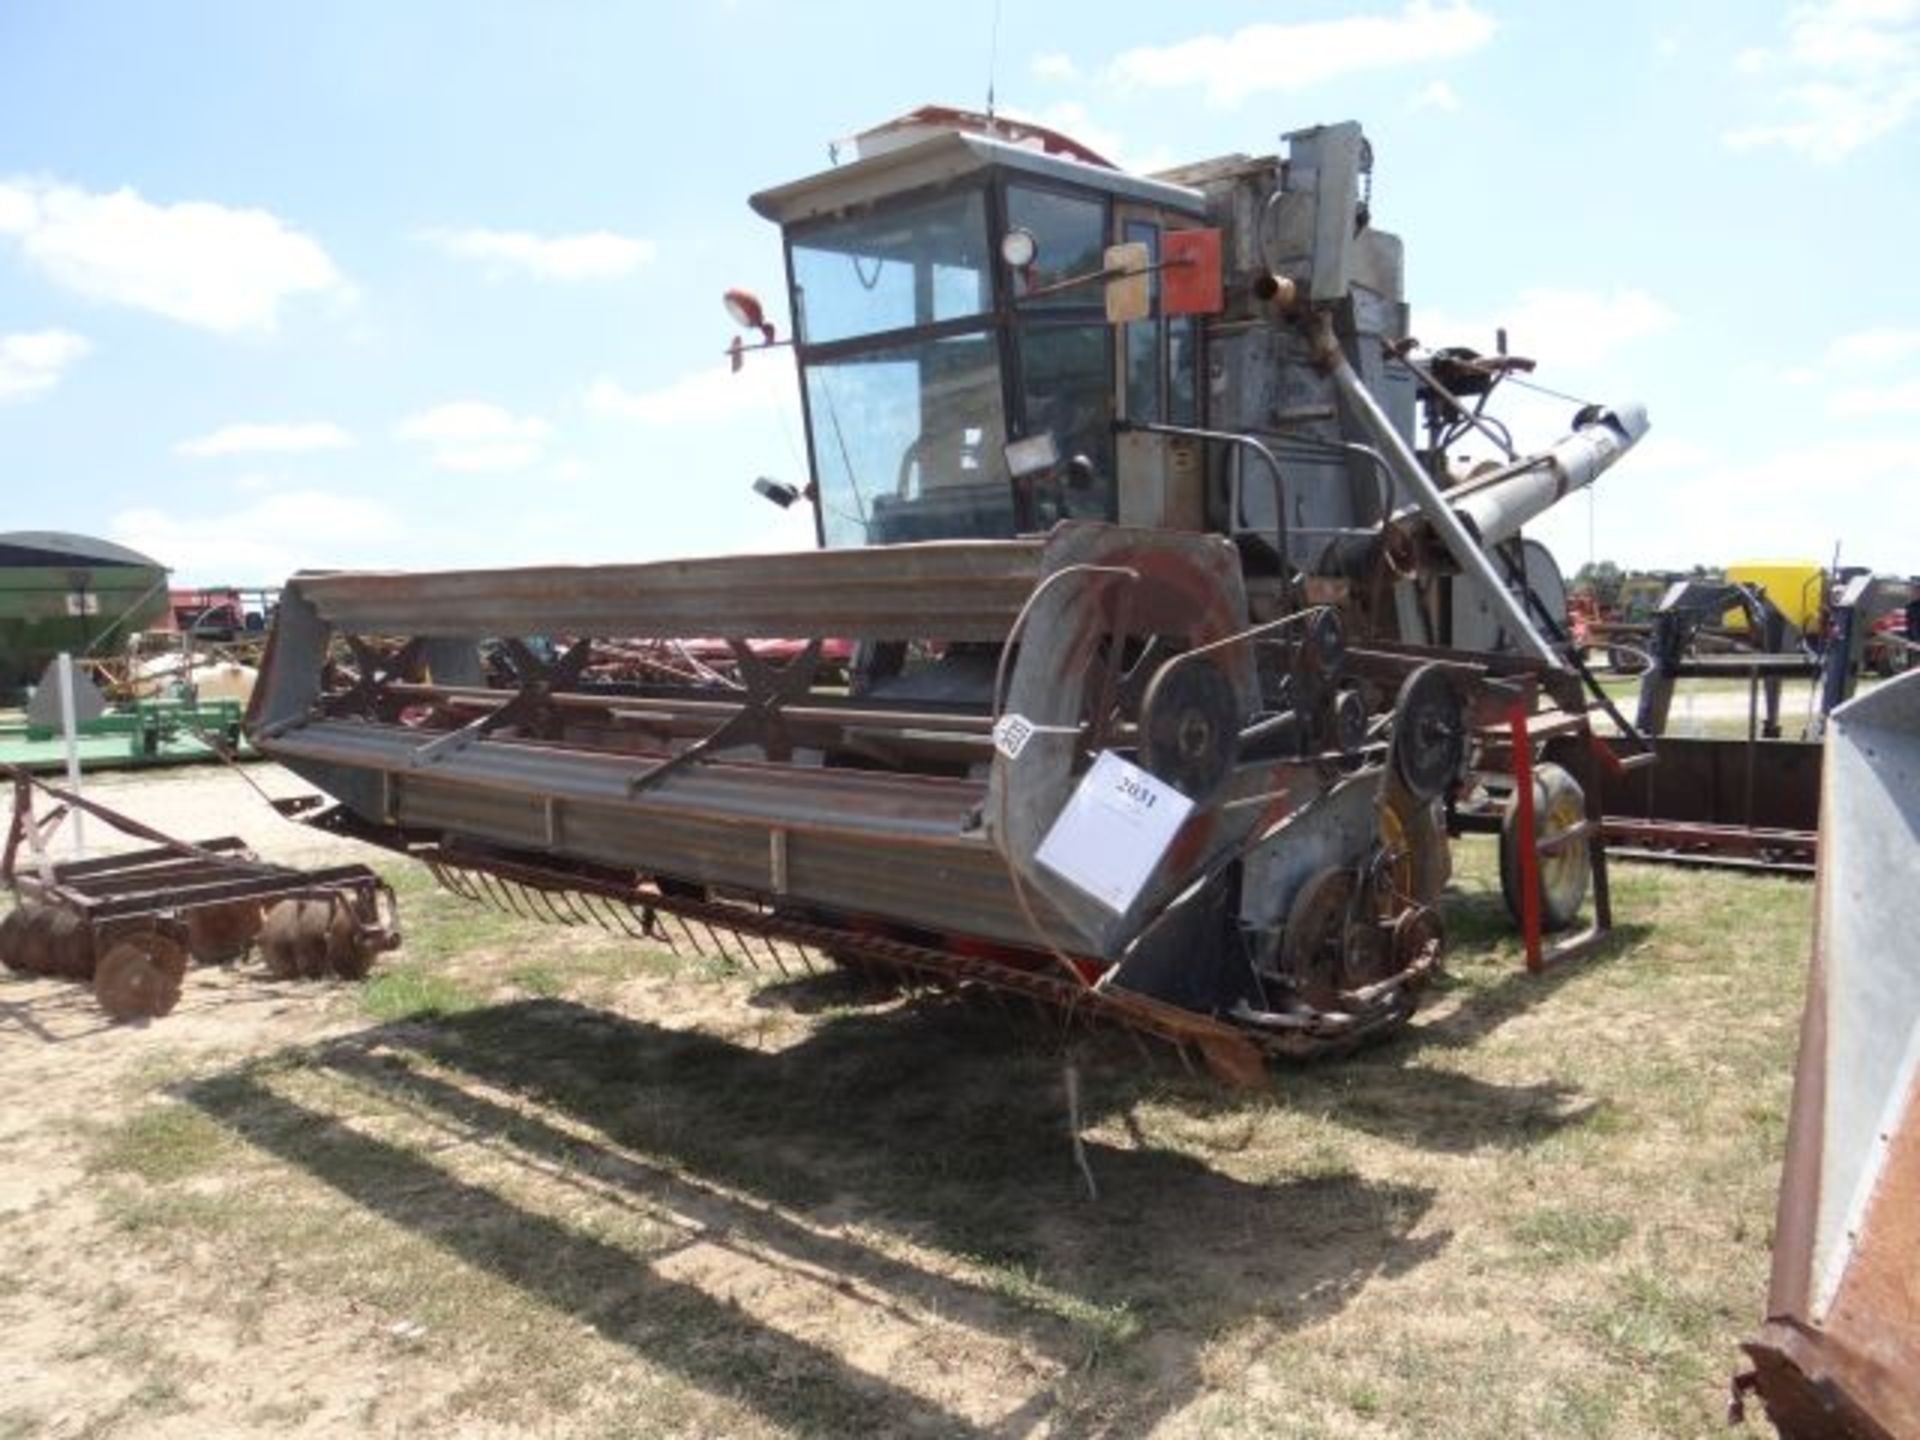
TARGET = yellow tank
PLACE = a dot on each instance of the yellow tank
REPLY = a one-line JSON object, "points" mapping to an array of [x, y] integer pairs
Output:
{"points": [[1794, 586]]}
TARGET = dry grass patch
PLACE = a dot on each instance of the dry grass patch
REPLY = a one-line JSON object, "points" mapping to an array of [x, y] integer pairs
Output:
{"points": [[559, 1184]]}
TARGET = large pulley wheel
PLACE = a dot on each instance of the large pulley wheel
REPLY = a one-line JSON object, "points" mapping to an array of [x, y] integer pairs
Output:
{"points": [[1415, 839], [1313, 947], [140, 975], [1429, 733], [1190, 727], [1559, 804]]}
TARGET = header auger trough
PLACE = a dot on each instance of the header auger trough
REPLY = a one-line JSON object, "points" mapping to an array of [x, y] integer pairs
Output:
{"points": [[1143, 667]]}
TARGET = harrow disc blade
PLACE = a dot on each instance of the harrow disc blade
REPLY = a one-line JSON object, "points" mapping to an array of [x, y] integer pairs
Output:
{"points": [[33, 952], [291, 945], [350, 953], [219, 934], [140, 976], [69, 946], [13, 930]]}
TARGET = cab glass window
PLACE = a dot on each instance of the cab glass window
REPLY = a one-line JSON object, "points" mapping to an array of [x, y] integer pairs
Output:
{"points": [[909, 442], [915, 264], [1183, 369], [1143, 336], [1070, 239], [1066, 375]]}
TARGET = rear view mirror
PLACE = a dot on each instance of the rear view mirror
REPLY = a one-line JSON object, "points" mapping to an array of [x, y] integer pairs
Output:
{"points": [[1127, 295]]}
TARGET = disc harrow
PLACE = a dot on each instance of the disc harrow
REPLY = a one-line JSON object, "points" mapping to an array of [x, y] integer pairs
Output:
{"points": [[128, 924]]}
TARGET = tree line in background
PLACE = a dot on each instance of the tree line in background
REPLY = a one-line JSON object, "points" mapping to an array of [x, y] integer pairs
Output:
{"points": [[1607, 583]]}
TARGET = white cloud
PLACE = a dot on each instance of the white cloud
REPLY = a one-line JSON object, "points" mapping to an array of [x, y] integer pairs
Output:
{"points": [[704, 397], [1900, 398], [264, 541], [592, 255], [1773, 515], [246, 438], [1438, 95], [1571, 329], [1290, 57], [1849, 74], [473, 435], [1874, 347], [32, 362], [1055, 67], [222, 269]]}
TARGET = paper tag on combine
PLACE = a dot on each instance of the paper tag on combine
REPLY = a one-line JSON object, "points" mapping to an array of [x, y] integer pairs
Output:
{"points": [[1113, 831], [1010, 735]]}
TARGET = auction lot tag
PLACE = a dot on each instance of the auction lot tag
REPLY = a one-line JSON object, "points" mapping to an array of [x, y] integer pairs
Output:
{"points": [[1010, 735], [1113, 831]]}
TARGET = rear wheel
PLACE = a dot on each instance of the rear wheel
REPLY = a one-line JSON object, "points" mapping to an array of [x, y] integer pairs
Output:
{"points": [[1559, 804]]}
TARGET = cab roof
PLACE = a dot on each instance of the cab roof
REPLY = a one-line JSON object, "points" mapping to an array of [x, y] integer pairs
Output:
{"points": [[946, 155]]}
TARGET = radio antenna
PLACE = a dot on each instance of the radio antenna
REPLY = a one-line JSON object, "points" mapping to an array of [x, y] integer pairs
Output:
{"points": [[993, 56]]}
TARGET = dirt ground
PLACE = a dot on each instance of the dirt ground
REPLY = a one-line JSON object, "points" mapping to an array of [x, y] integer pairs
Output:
{"points": [[537, 1181]]}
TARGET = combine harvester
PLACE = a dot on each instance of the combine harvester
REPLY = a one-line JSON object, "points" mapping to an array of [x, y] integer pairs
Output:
{"points": [[1146, 661]]}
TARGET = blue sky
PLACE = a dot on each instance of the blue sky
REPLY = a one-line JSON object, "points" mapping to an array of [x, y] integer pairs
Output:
{"points": [[437, 284]]}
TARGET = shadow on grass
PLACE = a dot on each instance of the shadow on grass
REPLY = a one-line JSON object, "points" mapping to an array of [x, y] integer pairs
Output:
{"points": [[1482, 920], [926, 1122]]}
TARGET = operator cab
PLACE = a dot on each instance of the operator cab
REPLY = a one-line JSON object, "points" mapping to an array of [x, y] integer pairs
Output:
{"points": [[934, 331]]}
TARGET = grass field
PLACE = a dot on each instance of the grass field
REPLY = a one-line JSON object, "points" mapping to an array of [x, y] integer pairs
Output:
{"points": [[526, 1182]]}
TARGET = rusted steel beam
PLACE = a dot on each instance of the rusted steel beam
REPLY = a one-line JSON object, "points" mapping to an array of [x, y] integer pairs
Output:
{"points": [[958, 590]]}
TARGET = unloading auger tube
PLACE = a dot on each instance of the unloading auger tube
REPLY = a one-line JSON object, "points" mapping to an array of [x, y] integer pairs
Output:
{"points": [[1041, 570]]}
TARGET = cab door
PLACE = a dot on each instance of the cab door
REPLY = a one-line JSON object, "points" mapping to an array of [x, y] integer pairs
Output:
{"points": [[1156, 382]]}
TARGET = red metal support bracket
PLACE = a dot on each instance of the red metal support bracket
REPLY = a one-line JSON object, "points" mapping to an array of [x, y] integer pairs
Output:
{"points": [[1529, 840]]}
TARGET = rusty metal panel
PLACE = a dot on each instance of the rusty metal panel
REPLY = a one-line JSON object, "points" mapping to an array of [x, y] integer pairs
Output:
{"points": [[955, 590], [1840, 1352], [899, 806], [1718, 782], [864, 842]]}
